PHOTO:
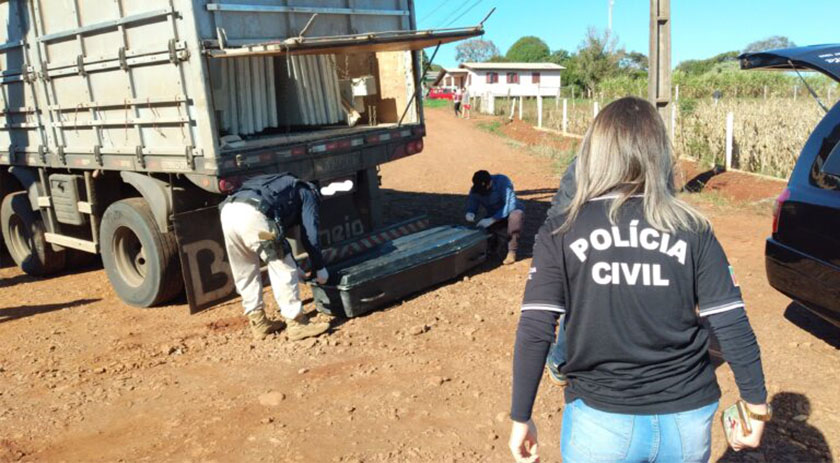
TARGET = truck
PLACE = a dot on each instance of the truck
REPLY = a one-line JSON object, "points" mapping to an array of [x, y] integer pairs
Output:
{"points": [[126, 123]]}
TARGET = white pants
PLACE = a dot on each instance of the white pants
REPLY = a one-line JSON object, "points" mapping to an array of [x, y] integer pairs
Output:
{"points": [[241, 222]]}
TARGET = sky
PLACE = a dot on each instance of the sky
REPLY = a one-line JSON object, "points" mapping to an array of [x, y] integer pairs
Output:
{"points": [[699, 28]]}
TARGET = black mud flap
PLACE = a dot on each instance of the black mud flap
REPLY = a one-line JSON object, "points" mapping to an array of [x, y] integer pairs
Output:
{"points": [[398, 268], [201, 245]]}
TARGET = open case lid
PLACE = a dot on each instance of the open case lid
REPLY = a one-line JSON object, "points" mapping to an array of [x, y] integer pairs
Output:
{"points": [[357, 43], [820, 58]]}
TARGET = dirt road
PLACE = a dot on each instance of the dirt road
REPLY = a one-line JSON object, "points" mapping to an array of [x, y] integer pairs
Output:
{"points": [[85, 378]]}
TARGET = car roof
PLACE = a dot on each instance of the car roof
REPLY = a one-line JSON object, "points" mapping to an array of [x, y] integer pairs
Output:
{"points": [[822, 58]]}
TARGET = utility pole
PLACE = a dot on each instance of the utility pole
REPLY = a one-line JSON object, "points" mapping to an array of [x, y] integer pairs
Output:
{"points": [[659, 75], [609, 17]]}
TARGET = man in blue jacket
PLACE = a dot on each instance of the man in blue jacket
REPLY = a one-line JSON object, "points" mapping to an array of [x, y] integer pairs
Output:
{"points": [[496, 195], [256, 220]]}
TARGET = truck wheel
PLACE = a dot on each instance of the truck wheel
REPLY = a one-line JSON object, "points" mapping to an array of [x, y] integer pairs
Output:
{"points": [[141, 262], [24, 235]]}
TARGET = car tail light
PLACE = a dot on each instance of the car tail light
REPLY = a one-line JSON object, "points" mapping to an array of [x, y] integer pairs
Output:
{"points": [[777, 208]]}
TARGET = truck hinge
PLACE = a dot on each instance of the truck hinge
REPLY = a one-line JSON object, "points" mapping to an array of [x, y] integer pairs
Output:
{"points": [[45, 73], [61, 156], [97, 154], [80, 64], [123, 59], [29, 75], [190, 157], [173, 51], [42, 153], [139, 155]]}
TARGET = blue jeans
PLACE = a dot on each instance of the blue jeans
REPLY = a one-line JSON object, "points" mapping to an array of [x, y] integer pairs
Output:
{"points": [[557, 355], [593, 435]]}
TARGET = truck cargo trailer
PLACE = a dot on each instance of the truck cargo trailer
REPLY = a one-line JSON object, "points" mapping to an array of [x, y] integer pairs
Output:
{"points": [[126, 122]]}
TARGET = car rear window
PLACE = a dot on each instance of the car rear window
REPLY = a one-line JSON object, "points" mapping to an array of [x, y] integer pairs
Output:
{"points": [[817, 177]]}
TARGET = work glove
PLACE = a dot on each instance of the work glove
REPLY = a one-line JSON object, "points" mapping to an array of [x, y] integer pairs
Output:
{"points": [[321, 276], [470, 217], [484, 223]]}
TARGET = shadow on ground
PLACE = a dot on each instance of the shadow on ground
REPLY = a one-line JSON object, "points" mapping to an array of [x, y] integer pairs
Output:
{"points": [[821, 329], [14, 313], [788, 436]]}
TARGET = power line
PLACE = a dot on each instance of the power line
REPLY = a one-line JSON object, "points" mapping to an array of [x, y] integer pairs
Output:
{"points": [[453, 13], [432, 13], [462, 14]]}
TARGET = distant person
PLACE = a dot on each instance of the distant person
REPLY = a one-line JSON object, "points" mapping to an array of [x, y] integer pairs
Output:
{"points": [[496, 195], [456, 100], [465, 103], [639, 276], [265, 206]]}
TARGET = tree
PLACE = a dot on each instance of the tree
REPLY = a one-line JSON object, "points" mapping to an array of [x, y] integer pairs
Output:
{"points": [[634, 65], [528, 49], [770, 43], [475, 51], [559, 56], [497, 59], [701, 66], [598, 57]]}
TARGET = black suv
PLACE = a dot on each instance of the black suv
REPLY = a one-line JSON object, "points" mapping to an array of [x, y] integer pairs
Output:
{"points": [[803, 253]]}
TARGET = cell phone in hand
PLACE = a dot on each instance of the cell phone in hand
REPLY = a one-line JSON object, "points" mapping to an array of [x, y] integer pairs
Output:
{"points": [[735, 417]]}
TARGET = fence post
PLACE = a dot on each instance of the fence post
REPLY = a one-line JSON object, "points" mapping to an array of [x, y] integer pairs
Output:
{"points": [[565, 116], [512, 108], [491, 104], [539, 111], [730, 126], [677, 93], [520, 108], [795, 91], [595, 109]]}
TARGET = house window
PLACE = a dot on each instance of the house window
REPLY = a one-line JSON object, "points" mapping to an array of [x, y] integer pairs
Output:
{"points": [[492, 77], [512, 78], [535, 77]]}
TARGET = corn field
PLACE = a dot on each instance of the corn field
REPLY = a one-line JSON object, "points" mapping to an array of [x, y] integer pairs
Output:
{"points": [[768, 134]]}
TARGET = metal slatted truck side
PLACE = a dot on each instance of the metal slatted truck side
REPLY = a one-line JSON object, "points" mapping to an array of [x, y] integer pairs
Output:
{"points": [[126, 122]]}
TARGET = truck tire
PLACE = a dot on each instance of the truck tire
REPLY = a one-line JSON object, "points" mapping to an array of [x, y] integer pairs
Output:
{"points": [[140, 261], [24, 234]]}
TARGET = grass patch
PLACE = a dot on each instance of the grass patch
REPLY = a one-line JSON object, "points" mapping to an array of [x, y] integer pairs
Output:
{"points": [[560, 158], [435, 103], [492, 127]]}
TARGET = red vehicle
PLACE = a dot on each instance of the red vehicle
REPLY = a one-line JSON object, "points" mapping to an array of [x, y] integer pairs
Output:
{"points": [[438, 93]]}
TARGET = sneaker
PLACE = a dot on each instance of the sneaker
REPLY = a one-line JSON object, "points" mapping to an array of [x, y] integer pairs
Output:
{"points": [[300, 328], [262, 326], [555, 375], [510, 258]]}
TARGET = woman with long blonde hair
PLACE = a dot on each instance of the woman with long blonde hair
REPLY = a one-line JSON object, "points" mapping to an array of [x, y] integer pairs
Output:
{"points": [[635, 270]]}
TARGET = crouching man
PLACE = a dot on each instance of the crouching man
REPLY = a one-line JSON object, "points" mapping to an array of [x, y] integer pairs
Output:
{"points": [[496, 195], [255, 220]]}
